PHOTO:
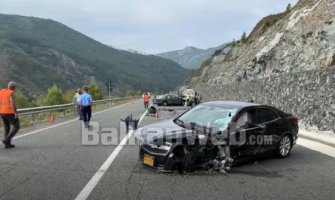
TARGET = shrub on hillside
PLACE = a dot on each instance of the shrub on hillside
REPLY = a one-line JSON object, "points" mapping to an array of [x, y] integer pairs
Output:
{"points": [[95, 91], [54, 96]]}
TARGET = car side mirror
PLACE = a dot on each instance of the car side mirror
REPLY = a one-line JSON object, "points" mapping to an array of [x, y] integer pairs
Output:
{"points": [[248, 125], [261, 126]]}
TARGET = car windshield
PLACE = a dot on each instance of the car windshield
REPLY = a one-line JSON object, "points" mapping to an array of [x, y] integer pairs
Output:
{"points": [[208, 116]]}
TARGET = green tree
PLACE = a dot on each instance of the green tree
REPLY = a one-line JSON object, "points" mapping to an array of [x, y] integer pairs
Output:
{"points": [[54, 96], [288, 8], [21, 100], [95, 91], [244, 37]]}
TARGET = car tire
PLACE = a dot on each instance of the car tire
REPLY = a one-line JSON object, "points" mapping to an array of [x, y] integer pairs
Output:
{"points": [[284, 146], [164, 103]]}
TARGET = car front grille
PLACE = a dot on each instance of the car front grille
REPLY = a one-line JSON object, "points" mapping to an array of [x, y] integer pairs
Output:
{"points": [[157, 149]]}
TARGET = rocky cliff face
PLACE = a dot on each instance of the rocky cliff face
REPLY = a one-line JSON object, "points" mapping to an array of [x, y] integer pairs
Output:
{"points": [[283, 46]]}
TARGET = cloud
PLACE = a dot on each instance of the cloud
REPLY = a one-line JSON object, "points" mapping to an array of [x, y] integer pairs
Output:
{"points": [[152, 25]]}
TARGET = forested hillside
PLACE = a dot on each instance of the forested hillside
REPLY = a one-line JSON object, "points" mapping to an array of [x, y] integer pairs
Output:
{"points": [[38, 53]]}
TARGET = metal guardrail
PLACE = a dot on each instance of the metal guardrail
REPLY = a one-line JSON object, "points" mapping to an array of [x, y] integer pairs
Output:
{"points": [[63, 107]]}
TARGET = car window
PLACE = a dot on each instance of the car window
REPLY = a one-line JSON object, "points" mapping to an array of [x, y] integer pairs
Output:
{"points": [[264, 115], [161, 97], [246, 117], [169, 97]]}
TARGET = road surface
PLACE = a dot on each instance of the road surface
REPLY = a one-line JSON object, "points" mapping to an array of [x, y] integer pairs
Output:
{"points": [[52, 163]]}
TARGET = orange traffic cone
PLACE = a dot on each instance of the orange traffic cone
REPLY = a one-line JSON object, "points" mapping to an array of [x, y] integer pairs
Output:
{"points": [[133, 101], [157, 115], [52, 119]]}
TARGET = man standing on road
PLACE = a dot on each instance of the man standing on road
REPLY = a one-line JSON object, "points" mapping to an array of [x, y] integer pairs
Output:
{"points": [[9, 114], [146, 100], [86, 106]]}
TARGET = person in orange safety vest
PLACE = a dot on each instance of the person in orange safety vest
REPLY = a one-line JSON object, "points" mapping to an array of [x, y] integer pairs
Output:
{"points": [[9, 114], [146, 100]]}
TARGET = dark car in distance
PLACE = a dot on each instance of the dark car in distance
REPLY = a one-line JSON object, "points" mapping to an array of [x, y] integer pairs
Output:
{"points": [[168, 100], [215, 133]]}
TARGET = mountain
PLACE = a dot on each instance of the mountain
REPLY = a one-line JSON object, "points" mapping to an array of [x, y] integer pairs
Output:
{"points": [[36, 53], [287, 61], [190, 57]]}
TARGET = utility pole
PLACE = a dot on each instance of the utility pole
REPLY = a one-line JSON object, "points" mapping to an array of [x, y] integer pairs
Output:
{"points": [[109, 87]]}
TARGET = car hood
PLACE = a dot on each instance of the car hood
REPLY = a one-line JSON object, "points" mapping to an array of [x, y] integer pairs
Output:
{"points": [[162, 132]]}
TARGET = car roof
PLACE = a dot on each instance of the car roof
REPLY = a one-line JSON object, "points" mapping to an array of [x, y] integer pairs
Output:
{"points": [[231, 104]]}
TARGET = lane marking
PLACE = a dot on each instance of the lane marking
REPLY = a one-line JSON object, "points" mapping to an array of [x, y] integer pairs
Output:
{"points": [[316, 146], [54, 126], [86, 191]]}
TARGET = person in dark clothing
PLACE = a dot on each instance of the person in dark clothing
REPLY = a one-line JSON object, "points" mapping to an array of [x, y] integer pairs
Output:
{"points": [[130, 122], [86, 106], [9, 114]]}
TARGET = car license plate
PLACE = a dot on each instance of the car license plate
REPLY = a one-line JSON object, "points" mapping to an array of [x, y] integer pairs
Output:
{"points": [[148, 160]]}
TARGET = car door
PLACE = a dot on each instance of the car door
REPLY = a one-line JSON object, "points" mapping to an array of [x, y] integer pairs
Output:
{"points": [[246, 134], [172, 100], [270, 120], [175, 100], [169, 100]]}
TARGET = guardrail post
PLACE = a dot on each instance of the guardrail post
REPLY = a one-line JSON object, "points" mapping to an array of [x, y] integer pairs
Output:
{"points": [[33, 116]]}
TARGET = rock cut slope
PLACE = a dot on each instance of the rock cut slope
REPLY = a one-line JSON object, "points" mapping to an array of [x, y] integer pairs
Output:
{"points": [[287, 61], [303, 39]]}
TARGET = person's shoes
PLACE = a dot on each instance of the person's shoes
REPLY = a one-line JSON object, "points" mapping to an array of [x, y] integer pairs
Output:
{"points": [[9, 146]]}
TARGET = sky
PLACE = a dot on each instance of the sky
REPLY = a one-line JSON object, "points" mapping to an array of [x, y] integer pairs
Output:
{"points": [[153, 26]]}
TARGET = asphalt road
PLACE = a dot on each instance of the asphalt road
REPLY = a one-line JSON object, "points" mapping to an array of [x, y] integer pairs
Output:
{"points": [[53, 164]]}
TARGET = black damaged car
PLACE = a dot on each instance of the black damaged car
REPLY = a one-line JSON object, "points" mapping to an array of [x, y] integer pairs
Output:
{"points": [[216, 135]]}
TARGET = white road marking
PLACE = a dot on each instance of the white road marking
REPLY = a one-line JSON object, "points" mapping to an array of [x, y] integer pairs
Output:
{"points": [[60, 124], [316, 146], [86, 191]]}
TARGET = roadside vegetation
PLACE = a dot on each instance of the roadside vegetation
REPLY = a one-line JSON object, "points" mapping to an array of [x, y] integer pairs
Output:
{"points": [[55, 96]]}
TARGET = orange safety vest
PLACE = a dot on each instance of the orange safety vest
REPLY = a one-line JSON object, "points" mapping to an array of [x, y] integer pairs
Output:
{"points": [[146, 98], [5, 104]]}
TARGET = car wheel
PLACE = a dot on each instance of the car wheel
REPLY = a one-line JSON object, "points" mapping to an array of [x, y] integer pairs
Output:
{"points": [[165, 104], [284, 146]]}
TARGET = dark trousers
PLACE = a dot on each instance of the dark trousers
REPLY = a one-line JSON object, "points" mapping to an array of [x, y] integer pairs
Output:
{"points": [[146, 105], [87, 114], [9, 120], [79, 112]]}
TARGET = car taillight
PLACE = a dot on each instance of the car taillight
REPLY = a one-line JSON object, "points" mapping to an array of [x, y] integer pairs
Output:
{"points": [[295, 120]]}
